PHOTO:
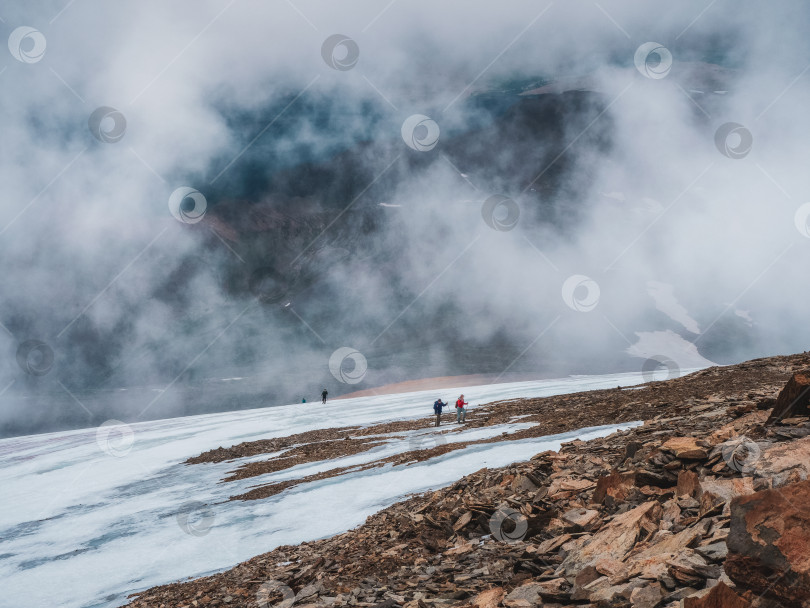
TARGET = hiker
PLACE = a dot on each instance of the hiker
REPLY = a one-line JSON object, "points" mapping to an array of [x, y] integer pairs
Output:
{"points": [[324, 394], [437, 407], [304, 400], [461, 413]]}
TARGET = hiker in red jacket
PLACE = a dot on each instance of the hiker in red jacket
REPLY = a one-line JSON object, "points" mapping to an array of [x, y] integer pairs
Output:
{"points": [[461, 413]]}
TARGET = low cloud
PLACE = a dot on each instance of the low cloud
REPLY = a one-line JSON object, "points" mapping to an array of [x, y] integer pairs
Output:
{"points": [[614, 174]]}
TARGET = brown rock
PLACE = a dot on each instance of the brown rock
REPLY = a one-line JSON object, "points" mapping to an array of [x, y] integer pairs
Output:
{"points": [[720, 596], [686, 448], [522, 483], [616, 486], [672, 512], [793, 399], [461, 549], [552, 544], [585, 592], [490, 598], [524, 596], [647, 597], [615, 594], [615, 539], [652, 478], [688, 484], [653, 559], [714, 551], [555, 589], [722, 491], [532, 593], [795, 421], [565, 487], [462, 521], [785, 463], [631, 448], [711, 504], [691, 568], [586, 576], [722, 434], [608, 566], [584, 519], [769, 542]]}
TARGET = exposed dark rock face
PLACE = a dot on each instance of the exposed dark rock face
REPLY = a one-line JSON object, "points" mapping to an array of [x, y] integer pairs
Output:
{"points": [[794, 399]]}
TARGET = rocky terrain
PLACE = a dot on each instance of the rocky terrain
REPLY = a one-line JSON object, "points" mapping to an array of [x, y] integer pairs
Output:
{"points": [[706, 504]]}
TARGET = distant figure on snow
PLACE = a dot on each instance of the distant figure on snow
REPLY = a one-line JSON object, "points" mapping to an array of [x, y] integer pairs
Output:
{"points": [[304, 400], [324, 394], [437, 408], [461, 413]]}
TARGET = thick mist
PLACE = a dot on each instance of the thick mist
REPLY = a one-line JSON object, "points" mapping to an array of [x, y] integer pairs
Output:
{"points": [[648, 212]]}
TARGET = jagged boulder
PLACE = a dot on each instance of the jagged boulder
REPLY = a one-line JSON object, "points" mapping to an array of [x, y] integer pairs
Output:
{"points": [[785, 463], [614, 488], [647, 597], [615, 539], [793, 399], [687, 448], [688, 484], [769, 543]]}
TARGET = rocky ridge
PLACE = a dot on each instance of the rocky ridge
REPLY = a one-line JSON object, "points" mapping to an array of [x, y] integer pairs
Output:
{"points": [[706, 504]]}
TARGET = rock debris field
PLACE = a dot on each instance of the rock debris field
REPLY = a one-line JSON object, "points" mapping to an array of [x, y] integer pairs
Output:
{"points": [[707, 504]]}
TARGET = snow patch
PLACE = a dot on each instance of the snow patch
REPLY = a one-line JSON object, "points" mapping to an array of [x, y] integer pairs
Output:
{"points": [[88, 528], [652, 344], [664, 296]]}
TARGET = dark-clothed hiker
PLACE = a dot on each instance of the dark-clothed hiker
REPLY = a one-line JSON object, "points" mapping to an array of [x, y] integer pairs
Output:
{"points": [[324, 394], [437, 408], [461, 413]]}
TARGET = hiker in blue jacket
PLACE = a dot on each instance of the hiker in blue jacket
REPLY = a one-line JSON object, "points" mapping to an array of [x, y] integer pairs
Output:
{"points": [[437, 407]]}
